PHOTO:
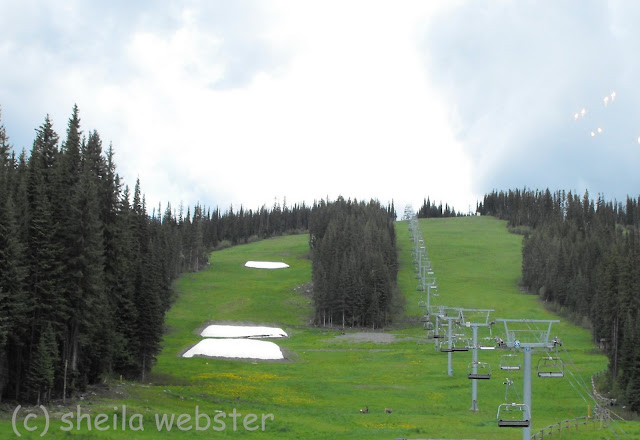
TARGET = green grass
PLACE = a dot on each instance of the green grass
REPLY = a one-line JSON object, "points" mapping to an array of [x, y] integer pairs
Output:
{"points": [[318, 391]]}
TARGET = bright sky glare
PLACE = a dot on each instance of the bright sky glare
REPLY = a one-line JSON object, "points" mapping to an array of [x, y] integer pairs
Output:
{"points": [[248, 102]]}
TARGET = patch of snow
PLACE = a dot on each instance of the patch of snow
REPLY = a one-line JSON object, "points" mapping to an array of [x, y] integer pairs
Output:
{"points": [[238, 331], [266, 265], [235, 348]]}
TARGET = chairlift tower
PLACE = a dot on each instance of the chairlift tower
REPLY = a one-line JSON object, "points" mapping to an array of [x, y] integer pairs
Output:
{"points": [[473, 374], [449, 349], [440, 312], [429, 283], [457, 318], [528, 340]]}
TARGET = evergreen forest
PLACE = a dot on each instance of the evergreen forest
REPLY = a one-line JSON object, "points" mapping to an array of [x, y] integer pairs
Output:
{"points": [[354, 263], [86, 272], [431, 210], [583, 258]]}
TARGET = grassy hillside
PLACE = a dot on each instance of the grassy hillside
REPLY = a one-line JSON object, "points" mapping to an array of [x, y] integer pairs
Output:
{"points": [[328, 377]]}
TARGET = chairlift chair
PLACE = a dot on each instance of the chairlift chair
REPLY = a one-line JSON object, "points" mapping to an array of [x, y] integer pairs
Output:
{"points": [[513, 415], [510, 362], [463, 345], [482, 346], [550, 366], [483, 371], [428, 325], [487, 347]]}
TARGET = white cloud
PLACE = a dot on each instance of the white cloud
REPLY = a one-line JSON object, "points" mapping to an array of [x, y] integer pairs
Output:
{"points": [[516, 74], [301, 101]]}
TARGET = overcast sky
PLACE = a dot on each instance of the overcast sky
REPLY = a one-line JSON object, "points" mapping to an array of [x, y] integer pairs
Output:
{"points": [[243, 102]]}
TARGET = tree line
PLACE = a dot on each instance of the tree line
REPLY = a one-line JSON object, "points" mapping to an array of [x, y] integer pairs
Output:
{"points": [[584, 256], [85, 272], [354, 263], [431, 210]]}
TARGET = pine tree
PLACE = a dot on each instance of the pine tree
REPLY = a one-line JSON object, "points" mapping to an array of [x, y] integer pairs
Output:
{"points": [[13, 313], [72, 162], [40, 377], [86, 298], [43, 257], [122, 268], [150, 313], [6, 164]]}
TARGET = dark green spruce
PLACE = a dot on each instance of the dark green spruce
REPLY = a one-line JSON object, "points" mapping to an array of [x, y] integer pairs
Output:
{"points": [[85, 272], [354, 263], [582, 256]]}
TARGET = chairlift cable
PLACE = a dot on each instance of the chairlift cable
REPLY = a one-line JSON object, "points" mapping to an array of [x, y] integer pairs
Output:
{"points": [[581, 382], [570, 359], [579, 393], [613, 429], [617, 416], [587, 389]]}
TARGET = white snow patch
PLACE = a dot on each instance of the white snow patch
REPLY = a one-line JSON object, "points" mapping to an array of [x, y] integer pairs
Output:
{"points": [[266, 264], [238, 331], [235, 348]]}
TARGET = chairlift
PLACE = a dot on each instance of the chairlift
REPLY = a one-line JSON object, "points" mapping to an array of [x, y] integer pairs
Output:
{"points": [[482, 346], [483, 370], [428, 325], [422, 304], [513, 415], [463, 345], [550, 366], [446, 349], [510, 362]]}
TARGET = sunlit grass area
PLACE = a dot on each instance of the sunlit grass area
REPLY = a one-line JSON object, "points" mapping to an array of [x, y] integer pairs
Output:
{"points": [[318, 391]]}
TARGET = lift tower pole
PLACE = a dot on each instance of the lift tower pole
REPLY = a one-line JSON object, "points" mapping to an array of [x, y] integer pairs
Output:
{"points": [[528, 339], [474, 360], [474, 355], [450, 320]]}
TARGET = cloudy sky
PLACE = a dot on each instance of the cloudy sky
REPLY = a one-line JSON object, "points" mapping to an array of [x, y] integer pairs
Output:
{"points": [[246, 102]]}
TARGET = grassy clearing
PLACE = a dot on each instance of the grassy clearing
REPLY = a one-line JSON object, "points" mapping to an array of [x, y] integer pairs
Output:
{"points": [[318, 392]]}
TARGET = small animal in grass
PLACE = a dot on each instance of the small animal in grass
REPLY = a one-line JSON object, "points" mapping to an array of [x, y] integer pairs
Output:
{"points": [[388, 410], [365, 410]]}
